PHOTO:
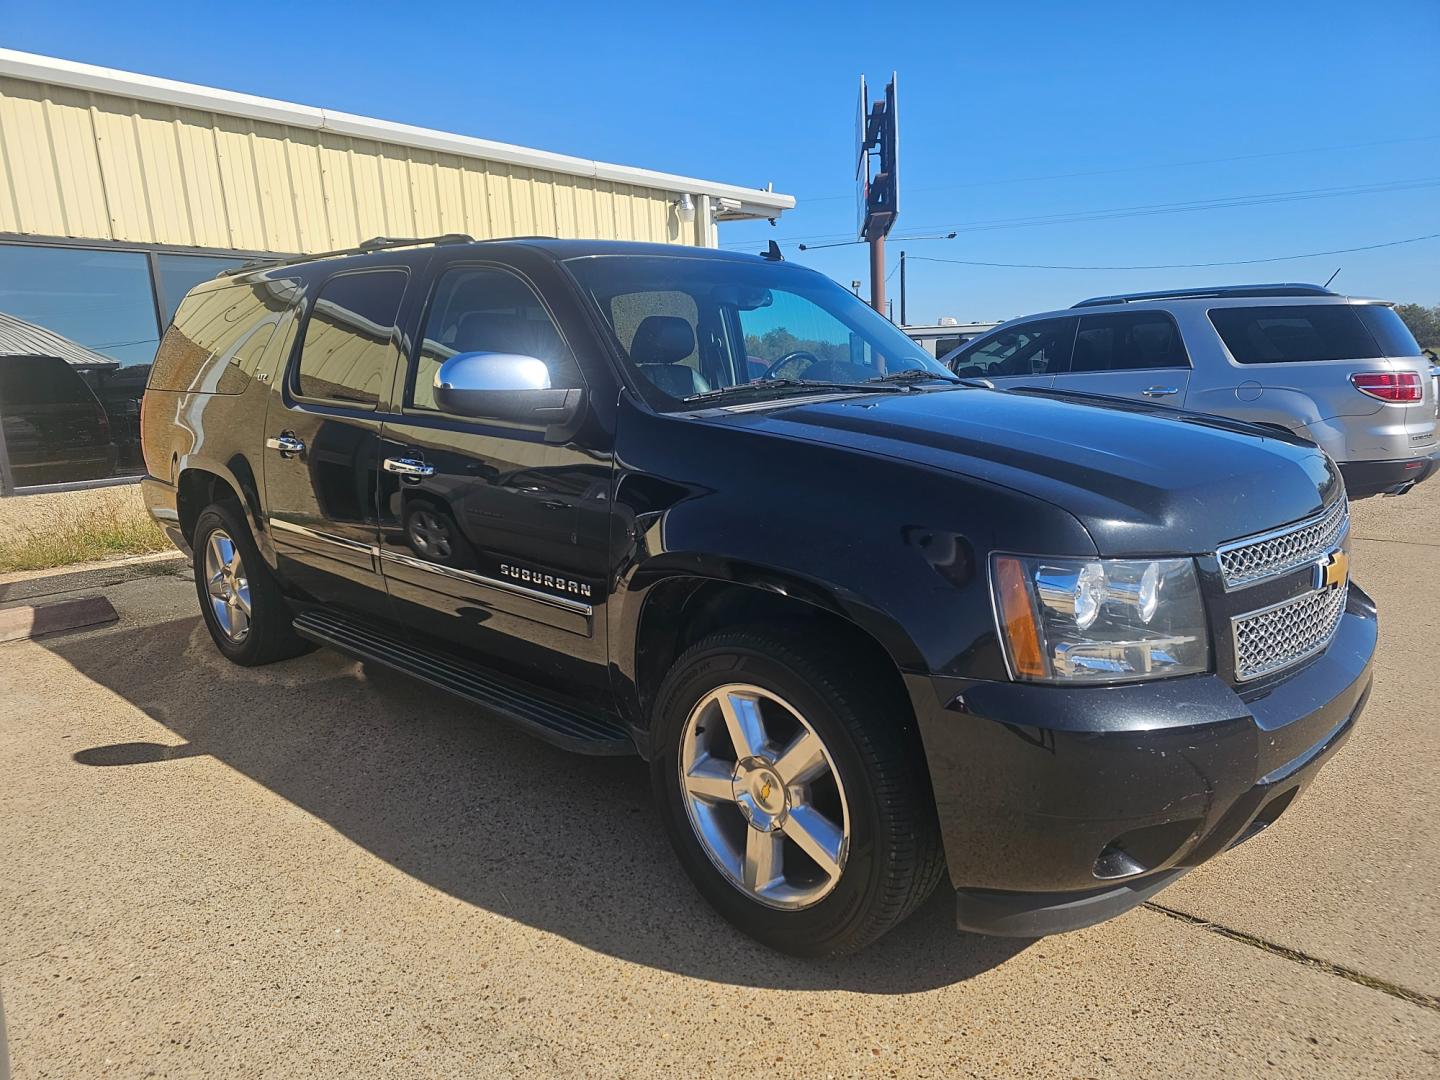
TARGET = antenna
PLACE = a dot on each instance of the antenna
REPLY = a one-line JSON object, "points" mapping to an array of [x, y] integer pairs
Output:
{"points": [[1332, 277]]}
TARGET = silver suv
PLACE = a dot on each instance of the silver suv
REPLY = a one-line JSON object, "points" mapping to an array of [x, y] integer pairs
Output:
{"points": [[1342, 372]]}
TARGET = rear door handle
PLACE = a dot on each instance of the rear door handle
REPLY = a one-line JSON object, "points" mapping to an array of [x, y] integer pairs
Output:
{"points": [[286, 443], [408, 467], [1160, 391]]}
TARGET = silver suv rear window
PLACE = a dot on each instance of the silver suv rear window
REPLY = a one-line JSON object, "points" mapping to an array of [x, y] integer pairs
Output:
{"points": [[1299, 333]]}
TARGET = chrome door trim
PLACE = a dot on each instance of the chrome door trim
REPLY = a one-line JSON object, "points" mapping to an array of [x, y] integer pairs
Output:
{"points": [[277, 525], [561, 602]]}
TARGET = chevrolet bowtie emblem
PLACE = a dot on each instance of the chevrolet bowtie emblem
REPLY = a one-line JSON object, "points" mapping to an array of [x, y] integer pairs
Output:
{"points": [[1334, 569]]}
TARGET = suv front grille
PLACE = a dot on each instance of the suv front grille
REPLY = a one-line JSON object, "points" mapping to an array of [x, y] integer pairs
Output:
{"points": [[1256, 558], [1278, 636]]}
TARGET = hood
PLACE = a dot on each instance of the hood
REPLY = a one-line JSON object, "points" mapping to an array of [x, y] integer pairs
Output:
{"points": [[1142, 479]]}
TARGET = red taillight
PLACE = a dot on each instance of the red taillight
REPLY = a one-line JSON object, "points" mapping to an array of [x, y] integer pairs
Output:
{"points": [[1389, 385]]}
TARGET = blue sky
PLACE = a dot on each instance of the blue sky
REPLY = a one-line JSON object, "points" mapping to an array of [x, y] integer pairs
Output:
{"points": [[1001, 107]]}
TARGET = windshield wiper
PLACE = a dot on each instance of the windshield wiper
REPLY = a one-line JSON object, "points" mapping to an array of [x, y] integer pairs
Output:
{"points": [[910, 375], [787, 384]]}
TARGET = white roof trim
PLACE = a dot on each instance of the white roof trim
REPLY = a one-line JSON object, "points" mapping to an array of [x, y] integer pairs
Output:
{"points": [[32, 67]]}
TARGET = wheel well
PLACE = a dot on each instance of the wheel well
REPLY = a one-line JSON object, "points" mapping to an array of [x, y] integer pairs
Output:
{"points": [[680, 612], [197, 490]]}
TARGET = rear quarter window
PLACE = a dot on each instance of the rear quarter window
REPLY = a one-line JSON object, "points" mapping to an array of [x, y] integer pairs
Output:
{"points": [[1390, 331], [215, 344], [1303, 333]]}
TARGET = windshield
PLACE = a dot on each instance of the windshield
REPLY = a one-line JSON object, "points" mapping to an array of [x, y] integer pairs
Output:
{"points": [[690, 326]]}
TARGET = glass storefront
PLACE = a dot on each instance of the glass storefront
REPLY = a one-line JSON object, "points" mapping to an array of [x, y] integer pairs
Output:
{"points": [[78, 331]]}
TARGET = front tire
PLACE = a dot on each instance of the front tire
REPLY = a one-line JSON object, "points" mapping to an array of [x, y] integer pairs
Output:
{"points": [[240, 600], [794, 790]]}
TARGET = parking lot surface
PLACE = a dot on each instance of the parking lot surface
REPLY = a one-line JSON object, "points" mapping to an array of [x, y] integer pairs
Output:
{"points": [[321, 868]]}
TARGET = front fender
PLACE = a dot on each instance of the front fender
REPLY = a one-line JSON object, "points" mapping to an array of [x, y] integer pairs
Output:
{"points": [[898, 549]]}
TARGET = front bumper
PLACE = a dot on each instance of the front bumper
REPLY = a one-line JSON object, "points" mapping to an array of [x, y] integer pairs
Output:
{"points": [[1062, 807], [1364, 478]]}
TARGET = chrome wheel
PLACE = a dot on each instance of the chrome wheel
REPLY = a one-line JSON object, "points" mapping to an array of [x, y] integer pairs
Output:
{"points": [[429, 535], [227, 585], [764, 797]]}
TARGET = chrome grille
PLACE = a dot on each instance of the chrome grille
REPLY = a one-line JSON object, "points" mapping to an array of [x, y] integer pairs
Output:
{"points": [[1245, 562], [1278, 636]]}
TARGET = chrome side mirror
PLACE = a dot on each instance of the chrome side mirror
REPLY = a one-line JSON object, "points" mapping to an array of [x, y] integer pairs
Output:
{"points": [[504, 386]]}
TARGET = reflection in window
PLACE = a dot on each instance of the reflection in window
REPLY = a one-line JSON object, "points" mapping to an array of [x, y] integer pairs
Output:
{"points": [[349, 352], [100, 299], [93, 311]]}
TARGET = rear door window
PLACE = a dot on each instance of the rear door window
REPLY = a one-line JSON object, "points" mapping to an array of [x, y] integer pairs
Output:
{"points": [[350, 348], [1301, 333], [1128, 341]]}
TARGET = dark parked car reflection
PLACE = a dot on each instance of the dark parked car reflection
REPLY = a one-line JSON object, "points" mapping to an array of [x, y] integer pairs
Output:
{"points": [[55, 428]]}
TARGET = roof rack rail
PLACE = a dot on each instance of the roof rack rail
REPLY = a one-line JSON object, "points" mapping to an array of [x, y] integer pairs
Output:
{"points": [[1284, 288], [365, 247]]}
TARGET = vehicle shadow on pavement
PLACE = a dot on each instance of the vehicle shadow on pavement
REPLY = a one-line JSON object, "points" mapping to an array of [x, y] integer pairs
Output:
{"points": [[567, 844]]}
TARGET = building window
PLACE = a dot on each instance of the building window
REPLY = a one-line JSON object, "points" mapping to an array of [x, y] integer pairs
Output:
{"points": [[78, 333], [93, 311], [176, 275]]}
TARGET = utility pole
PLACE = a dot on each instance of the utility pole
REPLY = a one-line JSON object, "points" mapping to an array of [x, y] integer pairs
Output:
{"points": [[904, 320]]}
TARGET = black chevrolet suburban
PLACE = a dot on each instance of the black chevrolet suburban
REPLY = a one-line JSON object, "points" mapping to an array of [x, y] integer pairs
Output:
{"points": [[869, 623]]}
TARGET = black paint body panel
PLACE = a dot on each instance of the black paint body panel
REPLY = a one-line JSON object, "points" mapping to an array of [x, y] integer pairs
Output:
{"points": [[883, 509]]}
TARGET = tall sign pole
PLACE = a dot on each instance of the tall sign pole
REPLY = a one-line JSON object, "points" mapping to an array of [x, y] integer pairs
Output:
{"points": [[877, 273], [877, 177]]}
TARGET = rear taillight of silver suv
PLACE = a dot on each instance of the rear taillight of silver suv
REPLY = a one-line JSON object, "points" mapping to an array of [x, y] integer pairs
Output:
{"points": [[1389, 385]]}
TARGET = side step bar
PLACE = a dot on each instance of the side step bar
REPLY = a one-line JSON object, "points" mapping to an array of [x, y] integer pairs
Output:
{"points": [[572, 727]]}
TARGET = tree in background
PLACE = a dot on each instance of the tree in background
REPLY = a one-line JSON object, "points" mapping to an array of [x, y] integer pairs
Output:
{"points": [[1424, 322]]}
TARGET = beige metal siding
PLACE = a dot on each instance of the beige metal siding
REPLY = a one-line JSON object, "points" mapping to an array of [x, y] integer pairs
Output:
{"points": [[76, 163]]}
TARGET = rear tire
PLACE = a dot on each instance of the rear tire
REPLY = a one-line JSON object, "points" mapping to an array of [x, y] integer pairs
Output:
{"points": [[240, 600], [764, 851]]}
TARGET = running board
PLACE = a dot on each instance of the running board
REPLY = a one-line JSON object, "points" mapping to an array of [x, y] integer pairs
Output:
{"points": [[572, 727]]}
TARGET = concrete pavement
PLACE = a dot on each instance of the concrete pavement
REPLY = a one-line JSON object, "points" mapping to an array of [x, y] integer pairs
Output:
{"points": [[321, 869]]}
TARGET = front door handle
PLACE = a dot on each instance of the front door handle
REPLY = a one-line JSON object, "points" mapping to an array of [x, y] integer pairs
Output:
{"points": [[1160, 391], [286, 443], [408, 467]]}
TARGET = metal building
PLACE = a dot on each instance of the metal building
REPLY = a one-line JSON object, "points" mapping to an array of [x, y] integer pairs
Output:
{"points": [[118, 192]]}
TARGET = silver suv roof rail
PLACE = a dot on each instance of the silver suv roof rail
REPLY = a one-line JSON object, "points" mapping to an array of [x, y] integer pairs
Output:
{"points": [[375, 243], [1286, 288]]}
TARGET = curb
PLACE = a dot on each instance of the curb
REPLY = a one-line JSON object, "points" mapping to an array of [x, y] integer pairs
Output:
{"points": [[26, 585]]}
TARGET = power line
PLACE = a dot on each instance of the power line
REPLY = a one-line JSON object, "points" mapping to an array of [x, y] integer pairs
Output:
{"points": [[1179, 266], [1224, 202], [1153, 209], [1145, 168]]}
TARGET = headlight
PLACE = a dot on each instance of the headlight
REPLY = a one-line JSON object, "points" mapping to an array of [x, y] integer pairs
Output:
{"points": [[1100, 620]]}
